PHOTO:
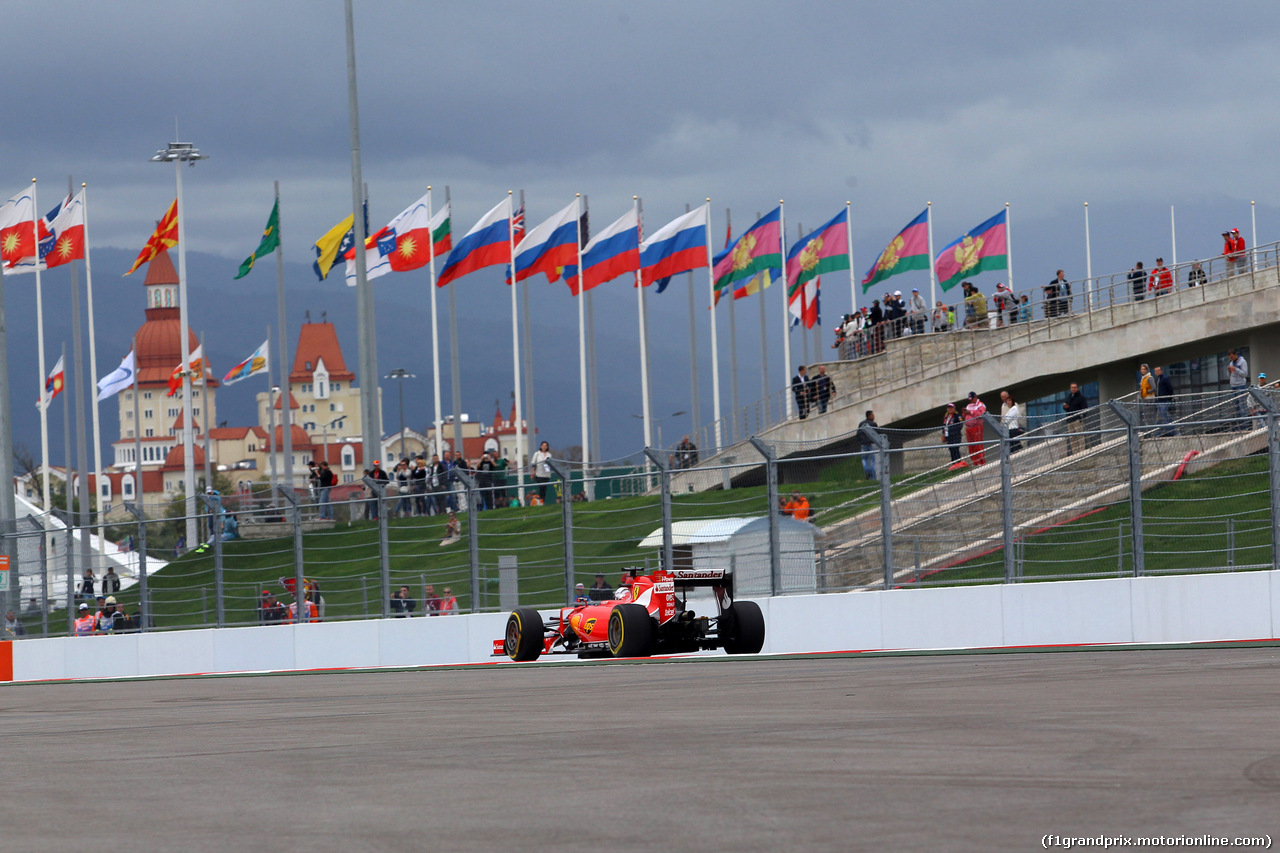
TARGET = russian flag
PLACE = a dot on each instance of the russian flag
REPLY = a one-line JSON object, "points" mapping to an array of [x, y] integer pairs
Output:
{"points": [[550, 246], [611, 253], [487, 244], [678, 246]]}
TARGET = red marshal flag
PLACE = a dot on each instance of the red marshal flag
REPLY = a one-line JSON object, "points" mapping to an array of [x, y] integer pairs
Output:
{"points": [[164, 237]]}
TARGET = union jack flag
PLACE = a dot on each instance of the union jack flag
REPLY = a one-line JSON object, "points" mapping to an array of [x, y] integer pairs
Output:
{"points": [[517, 226]]}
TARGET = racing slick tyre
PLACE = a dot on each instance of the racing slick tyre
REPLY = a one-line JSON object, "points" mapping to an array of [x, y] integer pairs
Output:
{"points": [[524, 634], [743, 632], [630, 631]]}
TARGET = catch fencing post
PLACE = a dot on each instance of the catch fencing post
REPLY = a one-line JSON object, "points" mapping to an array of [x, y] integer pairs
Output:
{"points": [[1135, 485], [1006, 496], [775, 537], [213, 503], [299, 582], [881, 441], [664, 474], [144, 602], [473, 535], [379, 489], [1273, 466], [68, 556], [44, 579], [566, 514]]}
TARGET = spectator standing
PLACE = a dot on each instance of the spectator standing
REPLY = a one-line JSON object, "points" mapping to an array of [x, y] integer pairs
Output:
{"points": [[402, 603], [918, 310], [484, 480], [895, 313], [12, 627], [1160, 281], [600, 590], [823, 389], [1138, 282], [973, 428], [111, 581], [270, 610], [875, 320], [1013, 419], [437, 476], [430, 601], [1075, 404], [802, 388], [404, 504], [85, 623], [1196, 276], [686, 453], [1051, 298], [975, 308], [797, 507], [418, 485], [951, 423], [87, 584], [1024, 309], [1164, 401], [326, 480], [1233, 249], [1238, 377], [541, 467], [1057, 296], [1146, 391], [381, 477], [868, 446], [448, 603], [941, 315]]}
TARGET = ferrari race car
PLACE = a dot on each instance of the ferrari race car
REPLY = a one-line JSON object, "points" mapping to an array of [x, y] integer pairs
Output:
{"points": [[647, 616]]}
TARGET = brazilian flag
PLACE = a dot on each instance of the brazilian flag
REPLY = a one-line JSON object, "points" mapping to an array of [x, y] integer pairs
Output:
{"points": [[270, 241]]}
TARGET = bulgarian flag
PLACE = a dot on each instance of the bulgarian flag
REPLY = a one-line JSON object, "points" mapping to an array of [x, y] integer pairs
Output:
{"points": [[758, 249], [983, 248], [908, 251], [825, 250]]}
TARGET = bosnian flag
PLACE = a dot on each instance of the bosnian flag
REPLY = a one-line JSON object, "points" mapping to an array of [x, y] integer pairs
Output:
{"points": [[487, 244], [52, 385], [17, 229], [255, 363], [404, 244], [609, 254], [553, 244], [65, 240], [117, 380], [678, 246]]}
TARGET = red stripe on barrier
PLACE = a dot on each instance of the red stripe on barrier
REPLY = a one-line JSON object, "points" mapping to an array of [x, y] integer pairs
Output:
{"points": [[6, 661]]}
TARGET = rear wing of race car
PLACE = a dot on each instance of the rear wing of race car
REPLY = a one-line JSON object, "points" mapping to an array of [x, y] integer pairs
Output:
{"points": [[689, 578]]}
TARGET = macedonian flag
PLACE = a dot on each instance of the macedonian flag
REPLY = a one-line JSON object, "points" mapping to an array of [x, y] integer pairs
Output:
{"points": [[164, 237]]}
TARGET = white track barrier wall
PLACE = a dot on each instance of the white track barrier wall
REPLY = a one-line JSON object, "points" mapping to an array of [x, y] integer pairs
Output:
{"points": [[1170, 609]]}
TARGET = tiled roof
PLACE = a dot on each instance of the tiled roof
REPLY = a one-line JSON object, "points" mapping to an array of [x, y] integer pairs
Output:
{"points": [[160, 270], [318, 341]]}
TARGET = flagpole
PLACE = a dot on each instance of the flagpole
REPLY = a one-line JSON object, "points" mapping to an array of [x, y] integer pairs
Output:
{"points": [[286, 414], [208, 459], [44, 415], [695, 406], [93, 372], [515, 354], [715, 355], [526, 340], [1008, 246], [138, 494], [8, 504], [455, 367], [1173, 235], [582, 343], [597, 452], [68, 472], [763, 278], [733, 349], [1088, 258], [435, 326], [933, 270], [786, 312], [188, 460], [83, 517], [644, 339], [853, 279], [1253, 214], [271, 418]]}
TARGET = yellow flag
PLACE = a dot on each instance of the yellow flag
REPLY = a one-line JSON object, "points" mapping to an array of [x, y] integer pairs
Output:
{"points": [[337, 239]]}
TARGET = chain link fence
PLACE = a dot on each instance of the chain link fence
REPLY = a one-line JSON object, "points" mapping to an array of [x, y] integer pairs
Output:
{"points": [[1134, 487]]}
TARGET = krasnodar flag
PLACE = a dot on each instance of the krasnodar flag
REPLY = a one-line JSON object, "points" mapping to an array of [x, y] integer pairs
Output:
{"points": [[117, 380]]}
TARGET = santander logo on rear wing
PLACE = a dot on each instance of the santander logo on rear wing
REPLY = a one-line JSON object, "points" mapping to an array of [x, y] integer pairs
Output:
{"points": [[687, 575]]}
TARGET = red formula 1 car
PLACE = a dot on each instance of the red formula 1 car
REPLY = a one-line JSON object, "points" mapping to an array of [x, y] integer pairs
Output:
{"points": [[647, 617]]}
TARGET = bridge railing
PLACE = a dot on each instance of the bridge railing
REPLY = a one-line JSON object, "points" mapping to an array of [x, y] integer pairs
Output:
{"points": [[891, 355]]}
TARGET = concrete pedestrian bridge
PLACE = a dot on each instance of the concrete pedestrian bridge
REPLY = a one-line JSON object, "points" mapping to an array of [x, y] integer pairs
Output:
{"points": [[1103, 339]]}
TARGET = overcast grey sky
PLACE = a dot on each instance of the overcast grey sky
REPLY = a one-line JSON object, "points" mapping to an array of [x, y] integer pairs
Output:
{"points": [[1132, 107]]}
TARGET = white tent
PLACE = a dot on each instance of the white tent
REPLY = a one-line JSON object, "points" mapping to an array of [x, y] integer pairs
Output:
{"points": [[742, 546]]}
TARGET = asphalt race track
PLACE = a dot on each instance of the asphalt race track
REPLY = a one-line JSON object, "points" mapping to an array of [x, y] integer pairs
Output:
{"points": [[951, 752]]}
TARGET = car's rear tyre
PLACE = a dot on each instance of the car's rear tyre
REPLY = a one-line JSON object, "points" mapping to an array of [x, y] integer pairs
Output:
{"points": [[742, 628], [524, 634], [630, 631]]}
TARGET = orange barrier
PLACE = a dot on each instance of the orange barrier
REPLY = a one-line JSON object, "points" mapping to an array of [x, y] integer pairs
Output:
{"points": [[6, 660]]}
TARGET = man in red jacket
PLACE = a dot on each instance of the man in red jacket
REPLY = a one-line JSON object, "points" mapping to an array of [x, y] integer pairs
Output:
{"points": [[1160, 280], [1233, 250]]}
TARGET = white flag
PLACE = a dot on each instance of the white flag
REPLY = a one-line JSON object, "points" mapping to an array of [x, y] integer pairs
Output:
{"points": [[118, 380]]}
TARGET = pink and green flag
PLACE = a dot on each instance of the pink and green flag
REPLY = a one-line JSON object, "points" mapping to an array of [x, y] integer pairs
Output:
{"points": [[908, 251], [758, 249], [983, 248], [825, 250]]}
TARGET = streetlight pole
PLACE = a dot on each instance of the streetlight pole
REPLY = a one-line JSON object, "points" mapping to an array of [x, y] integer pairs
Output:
{"points": [[401, 374], [658, 422], [324, 436], [179, 153]]}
